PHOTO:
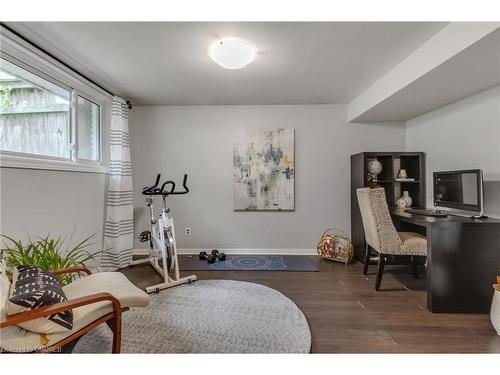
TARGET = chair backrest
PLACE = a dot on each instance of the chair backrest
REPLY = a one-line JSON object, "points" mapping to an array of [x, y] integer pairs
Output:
{"points": [[380, 232]]}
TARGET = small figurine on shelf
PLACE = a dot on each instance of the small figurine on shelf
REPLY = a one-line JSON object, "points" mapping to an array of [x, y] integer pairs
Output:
{"points": [[402, 174], [403, 177]]}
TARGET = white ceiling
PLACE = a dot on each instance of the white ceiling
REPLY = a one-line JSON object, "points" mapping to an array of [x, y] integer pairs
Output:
{"points": [[166, 63]]}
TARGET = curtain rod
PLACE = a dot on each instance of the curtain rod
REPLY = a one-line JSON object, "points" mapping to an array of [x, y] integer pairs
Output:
{"points": [[60, 61]]}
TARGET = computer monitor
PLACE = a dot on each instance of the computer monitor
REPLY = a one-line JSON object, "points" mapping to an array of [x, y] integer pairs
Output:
{"points": [[460, 191]]}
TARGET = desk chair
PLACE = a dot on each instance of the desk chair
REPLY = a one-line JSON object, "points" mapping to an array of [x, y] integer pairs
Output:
{"points": [[381, 235]]}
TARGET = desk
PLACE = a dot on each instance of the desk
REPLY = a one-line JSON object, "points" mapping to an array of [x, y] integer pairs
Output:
{"points": [[463, 259]]}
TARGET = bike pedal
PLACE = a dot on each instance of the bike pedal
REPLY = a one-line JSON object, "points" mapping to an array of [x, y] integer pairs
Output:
{"points": [[144, 236]]}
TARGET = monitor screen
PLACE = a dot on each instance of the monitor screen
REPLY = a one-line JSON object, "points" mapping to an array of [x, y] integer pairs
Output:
{"points": [[458, 189]]}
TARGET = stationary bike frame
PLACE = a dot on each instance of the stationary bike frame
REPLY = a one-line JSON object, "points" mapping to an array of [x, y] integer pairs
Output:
{"points": [[162, 238]]}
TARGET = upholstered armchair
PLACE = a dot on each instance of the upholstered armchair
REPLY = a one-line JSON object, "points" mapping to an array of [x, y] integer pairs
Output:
{"points": [[382, 236], [94, 299]]}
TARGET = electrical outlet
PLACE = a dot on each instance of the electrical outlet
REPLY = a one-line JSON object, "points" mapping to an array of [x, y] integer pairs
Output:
{"points": [[188, 231]]}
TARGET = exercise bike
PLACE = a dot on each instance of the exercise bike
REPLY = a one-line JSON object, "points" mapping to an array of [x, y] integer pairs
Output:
{"points": [[161, 237]]}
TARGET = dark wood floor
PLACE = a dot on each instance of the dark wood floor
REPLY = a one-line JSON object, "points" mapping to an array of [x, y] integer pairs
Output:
{"points": [[346, 315]]}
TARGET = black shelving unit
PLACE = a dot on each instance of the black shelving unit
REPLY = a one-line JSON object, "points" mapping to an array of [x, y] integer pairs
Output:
{"points": [[392, 162]]}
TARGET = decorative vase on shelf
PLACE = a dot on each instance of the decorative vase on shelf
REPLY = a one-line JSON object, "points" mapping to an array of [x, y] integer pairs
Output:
{"points": [[404, 201], [407, 199], [401, 203]]}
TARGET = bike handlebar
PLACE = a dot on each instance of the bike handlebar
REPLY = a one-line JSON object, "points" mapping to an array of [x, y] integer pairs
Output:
{"points": [[150, 190], [154, 190]]}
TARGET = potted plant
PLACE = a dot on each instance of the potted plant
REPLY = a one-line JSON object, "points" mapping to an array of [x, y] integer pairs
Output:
{"points": [[49, 254]]}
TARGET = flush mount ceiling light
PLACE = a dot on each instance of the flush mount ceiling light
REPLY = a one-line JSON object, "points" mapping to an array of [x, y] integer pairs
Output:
{"points": [[232, 53]]}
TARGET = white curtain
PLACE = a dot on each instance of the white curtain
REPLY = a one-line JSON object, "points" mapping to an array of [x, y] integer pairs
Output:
{"points": [[119, 225]]}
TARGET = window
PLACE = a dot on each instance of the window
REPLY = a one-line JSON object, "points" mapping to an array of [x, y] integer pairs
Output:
{"points": [[34, 114], [88, 129], [42, 118]]}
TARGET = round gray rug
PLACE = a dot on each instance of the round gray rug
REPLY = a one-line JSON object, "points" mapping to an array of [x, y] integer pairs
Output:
{"points": [[209, 316]]}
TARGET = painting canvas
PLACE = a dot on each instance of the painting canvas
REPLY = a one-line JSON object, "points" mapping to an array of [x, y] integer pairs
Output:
{"points": [[263, 169]]}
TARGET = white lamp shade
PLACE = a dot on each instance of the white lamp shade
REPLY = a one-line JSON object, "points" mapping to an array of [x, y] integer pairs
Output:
{"points": [[231, 53]]}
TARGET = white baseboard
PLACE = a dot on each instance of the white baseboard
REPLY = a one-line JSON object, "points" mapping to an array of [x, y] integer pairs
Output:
{"points": [[238, 251]]}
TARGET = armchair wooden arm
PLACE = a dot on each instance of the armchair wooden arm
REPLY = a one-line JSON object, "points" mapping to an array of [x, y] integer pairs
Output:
{"points": [[115, 316], [63, 271]]}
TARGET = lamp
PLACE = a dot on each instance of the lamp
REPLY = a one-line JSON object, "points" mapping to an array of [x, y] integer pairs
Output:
{"points": [[232, 53]]}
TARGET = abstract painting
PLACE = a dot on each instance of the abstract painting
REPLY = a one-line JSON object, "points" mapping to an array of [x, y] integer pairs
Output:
{"points": [[263, 169]]}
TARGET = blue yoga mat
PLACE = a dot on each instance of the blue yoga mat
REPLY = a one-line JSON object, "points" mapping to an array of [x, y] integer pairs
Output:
{"points": [[301, 263]]}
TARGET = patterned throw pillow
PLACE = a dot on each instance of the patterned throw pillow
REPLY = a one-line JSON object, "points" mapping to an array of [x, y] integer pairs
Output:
{"points": [[33, 287]]}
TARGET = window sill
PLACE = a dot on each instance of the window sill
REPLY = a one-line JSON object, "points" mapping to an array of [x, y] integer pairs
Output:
{"points": [[29, 162]]}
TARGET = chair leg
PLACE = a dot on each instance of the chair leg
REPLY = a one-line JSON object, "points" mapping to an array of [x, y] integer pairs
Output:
{"points": [[380, 271], [117, 332], [367, 259], [414, 266]]}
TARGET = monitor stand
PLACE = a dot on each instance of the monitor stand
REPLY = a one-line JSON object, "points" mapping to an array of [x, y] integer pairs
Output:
{"points": [[478, 217]]}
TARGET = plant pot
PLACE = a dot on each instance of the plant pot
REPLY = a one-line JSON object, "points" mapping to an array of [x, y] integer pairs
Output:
{"points": [[495, 309]]}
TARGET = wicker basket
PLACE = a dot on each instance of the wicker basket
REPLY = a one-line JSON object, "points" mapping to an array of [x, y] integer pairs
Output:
{"points": [[335, 245]]}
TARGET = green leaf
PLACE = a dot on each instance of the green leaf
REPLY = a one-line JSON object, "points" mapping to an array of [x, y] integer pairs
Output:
{"points": [[48, 253]]}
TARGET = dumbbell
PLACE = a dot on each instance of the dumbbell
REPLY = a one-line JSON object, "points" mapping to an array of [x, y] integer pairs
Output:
{"points": [[209, 257], [220, 256]]}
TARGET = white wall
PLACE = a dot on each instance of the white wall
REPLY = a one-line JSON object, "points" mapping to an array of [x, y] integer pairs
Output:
{"points": [[462, 135], [38, 202], [198, 140]]}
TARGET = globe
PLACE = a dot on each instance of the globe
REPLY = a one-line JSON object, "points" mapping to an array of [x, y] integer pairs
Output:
{"points": [[374, 168]]}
